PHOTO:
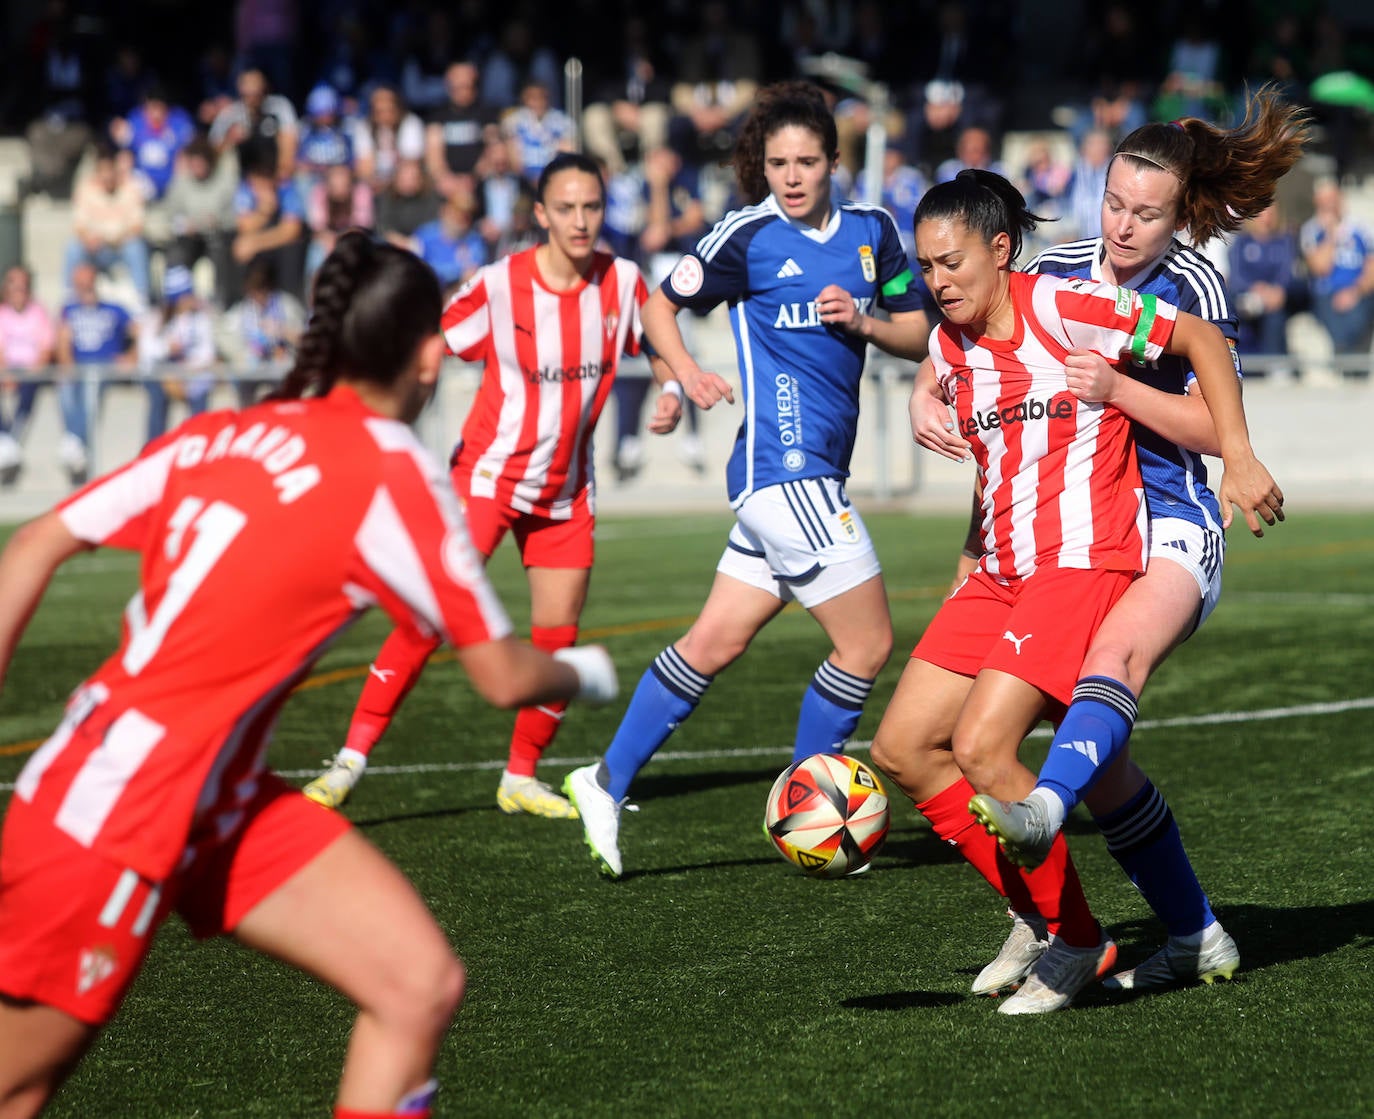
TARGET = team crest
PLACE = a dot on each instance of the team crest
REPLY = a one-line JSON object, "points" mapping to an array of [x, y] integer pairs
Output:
{"points": [[847, 525], [868, 263], [794, 460], [612, 321]]}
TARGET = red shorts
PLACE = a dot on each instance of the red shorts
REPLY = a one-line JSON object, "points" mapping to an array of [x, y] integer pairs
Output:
{"points": [[1037, 630], [75, 927], [543, 541]]}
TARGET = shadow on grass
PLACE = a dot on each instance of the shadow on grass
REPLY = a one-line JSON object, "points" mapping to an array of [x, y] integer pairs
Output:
{"points": [[435, 814], [663, 786], [903, 1000]]}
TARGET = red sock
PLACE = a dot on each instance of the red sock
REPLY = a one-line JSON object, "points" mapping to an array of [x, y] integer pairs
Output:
{"points": [[350, 1113], [535, 727], [1052, 890], [390, 677]]}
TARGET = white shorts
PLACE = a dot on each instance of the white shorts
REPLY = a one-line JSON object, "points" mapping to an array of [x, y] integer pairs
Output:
{"points": [[1198, 550], [800, 540]]}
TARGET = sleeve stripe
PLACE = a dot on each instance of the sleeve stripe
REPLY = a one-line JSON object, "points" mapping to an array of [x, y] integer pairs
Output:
{"points": [[727, 227], [101, 511]]}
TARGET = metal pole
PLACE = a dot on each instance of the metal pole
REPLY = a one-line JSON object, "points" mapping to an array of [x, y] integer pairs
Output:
{"points": [[572, 96]]}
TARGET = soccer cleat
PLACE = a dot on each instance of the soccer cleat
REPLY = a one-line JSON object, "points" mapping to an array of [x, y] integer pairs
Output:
{"points": [[11, 459], [71, 453], [1024, 946], [531, 796], [1178, 964], [600, 814], [1059, 975], [1020, 827], [331, 788]]}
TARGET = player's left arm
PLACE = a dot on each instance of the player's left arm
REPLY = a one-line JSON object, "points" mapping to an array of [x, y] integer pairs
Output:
{"points": [[33, 553], [1245, 481], [1180, 418], [904, 334]]}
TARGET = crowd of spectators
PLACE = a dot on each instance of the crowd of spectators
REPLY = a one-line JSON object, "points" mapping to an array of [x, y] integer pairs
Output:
{"points": [[215, 191]]}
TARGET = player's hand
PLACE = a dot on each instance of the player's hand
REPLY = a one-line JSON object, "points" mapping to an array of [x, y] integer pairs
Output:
{"points": [[1251, 488], [932, 426], [705, 389], [667, 413], [596, 678], [835, 306], [1090, 376]]}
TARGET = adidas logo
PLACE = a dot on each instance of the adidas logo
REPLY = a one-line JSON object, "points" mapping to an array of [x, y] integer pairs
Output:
{"points": [[1087, 749], [1181, 545], [789, 268], [97, 964]]}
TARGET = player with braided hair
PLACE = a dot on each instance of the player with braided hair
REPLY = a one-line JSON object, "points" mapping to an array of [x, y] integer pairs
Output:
{"points": [[263, 534], [1187, 177]]}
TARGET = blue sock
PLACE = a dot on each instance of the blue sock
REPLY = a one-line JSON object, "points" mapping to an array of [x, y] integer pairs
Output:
{"points": [[1095, 728], [830, 711], [668, 692], [1143, 837]]}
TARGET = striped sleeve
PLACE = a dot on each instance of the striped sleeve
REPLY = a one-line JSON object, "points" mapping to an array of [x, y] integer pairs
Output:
{"points": [[466, 321], [1116, 322], [414, 541], [113, 510]]}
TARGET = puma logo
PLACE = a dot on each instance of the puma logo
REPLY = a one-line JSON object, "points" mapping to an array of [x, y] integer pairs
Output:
{"points": [[382, 674], [1017, 641]]}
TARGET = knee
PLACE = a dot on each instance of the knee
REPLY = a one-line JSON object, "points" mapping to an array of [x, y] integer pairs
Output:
{"points": [[913, 763], [711, 652], [987, 757], [422, 993]]}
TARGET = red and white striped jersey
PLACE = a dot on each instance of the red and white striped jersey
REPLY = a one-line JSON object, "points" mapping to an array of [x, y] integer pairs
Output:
{"points": [[263, 534], [550, 358], [1061, 484]]}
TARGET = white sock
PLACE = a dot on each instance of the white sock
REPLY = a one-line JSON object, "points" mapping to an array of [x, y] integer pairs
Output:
{"points": [[348, 754], [1053, 806], [1194, 940]]}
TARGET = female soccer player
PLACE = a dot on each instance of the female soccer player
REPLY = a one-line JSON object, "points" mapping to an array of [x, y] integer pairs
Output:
{"points": [[802, 274], [263, 534], [549, 324], [1164, 179], [1064, 520]]}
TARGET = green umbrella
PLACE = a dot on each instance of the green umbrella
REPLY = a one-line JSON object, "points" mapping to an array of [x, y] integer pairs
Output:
{"points": [[1344, 87]]}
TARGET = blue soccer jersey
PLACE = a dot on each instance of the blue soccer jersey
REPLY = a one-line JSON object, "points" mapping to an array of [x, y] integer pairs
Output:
{"points": [[800, 376], [1175, 478], [100, 331]]}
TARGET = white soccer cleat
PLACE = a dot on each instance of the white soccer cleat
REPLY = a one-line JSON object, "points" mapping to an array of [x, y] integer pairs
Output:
{"points": [[1060, 974], [1021, 828], [531, 796], [71, 453], [1177, 964], [1020, 952], [600, 814], [331, 788]]}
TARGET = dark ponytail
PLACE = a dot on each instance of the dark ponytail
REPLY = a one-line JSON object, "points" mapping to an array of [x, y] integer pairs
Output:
{"points": [[985, 202], [372, 305]]}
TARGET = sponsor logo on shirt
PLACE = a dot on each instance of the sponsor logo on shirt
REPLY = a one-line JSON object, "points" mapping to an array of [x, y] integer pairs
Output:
{"points": [[789, 412], [1123, 301], [556, 375], [868, 263], [1025, 412], [794, 460], [789, 269], [799, 316]]}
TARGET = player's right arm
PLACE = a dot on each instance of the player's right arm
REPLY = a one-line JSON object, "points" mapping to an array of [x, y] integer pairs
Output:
{"points": [[665, 336]]}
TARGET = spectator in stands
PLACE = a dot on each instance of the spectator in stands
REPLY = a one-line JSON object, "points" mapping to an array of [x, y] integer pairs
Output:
{"points": [[259, 126], [107, 223], [1192, 84], [388, 134], [974, 148], [91, 332], [1268, 283], [501, 192], [1045, 178], [215, 82], [459, 131], [270, 221], [628, 112], [1339, 255], [336, 204], [149, 139], [1083, 215], [537, 132], [200, 211], [717, 80], [516, 61], [176, 350], [258, 334], [405, 205], [58, 80], [452, 244], [325, 142], [26, 347]]}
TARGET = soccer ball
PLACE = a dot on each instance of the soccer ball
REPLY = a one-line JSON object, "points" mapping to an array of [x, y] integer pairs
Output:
{"points": [[827, 814]]}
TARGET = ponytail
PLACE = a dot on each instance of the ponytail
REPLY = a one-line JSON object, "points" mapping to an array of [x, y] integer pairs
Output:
{"points": [[372, 305], [1227, 175], [985, 202]]}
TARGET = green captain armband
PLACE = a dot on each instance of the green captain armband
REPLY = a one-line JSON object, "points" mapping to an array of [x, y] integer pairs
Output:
{"points": [[1141, 338], [899, 284]]}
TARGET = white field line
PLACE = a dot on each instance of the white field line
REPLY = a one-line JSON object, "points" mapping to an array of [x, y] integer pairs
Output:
{"points": [[1262, 715]]}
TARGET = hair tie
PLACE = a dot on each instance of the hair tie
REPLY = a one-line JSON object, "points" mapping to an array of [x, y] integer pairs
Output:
{"points": [[1177, 124]]}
